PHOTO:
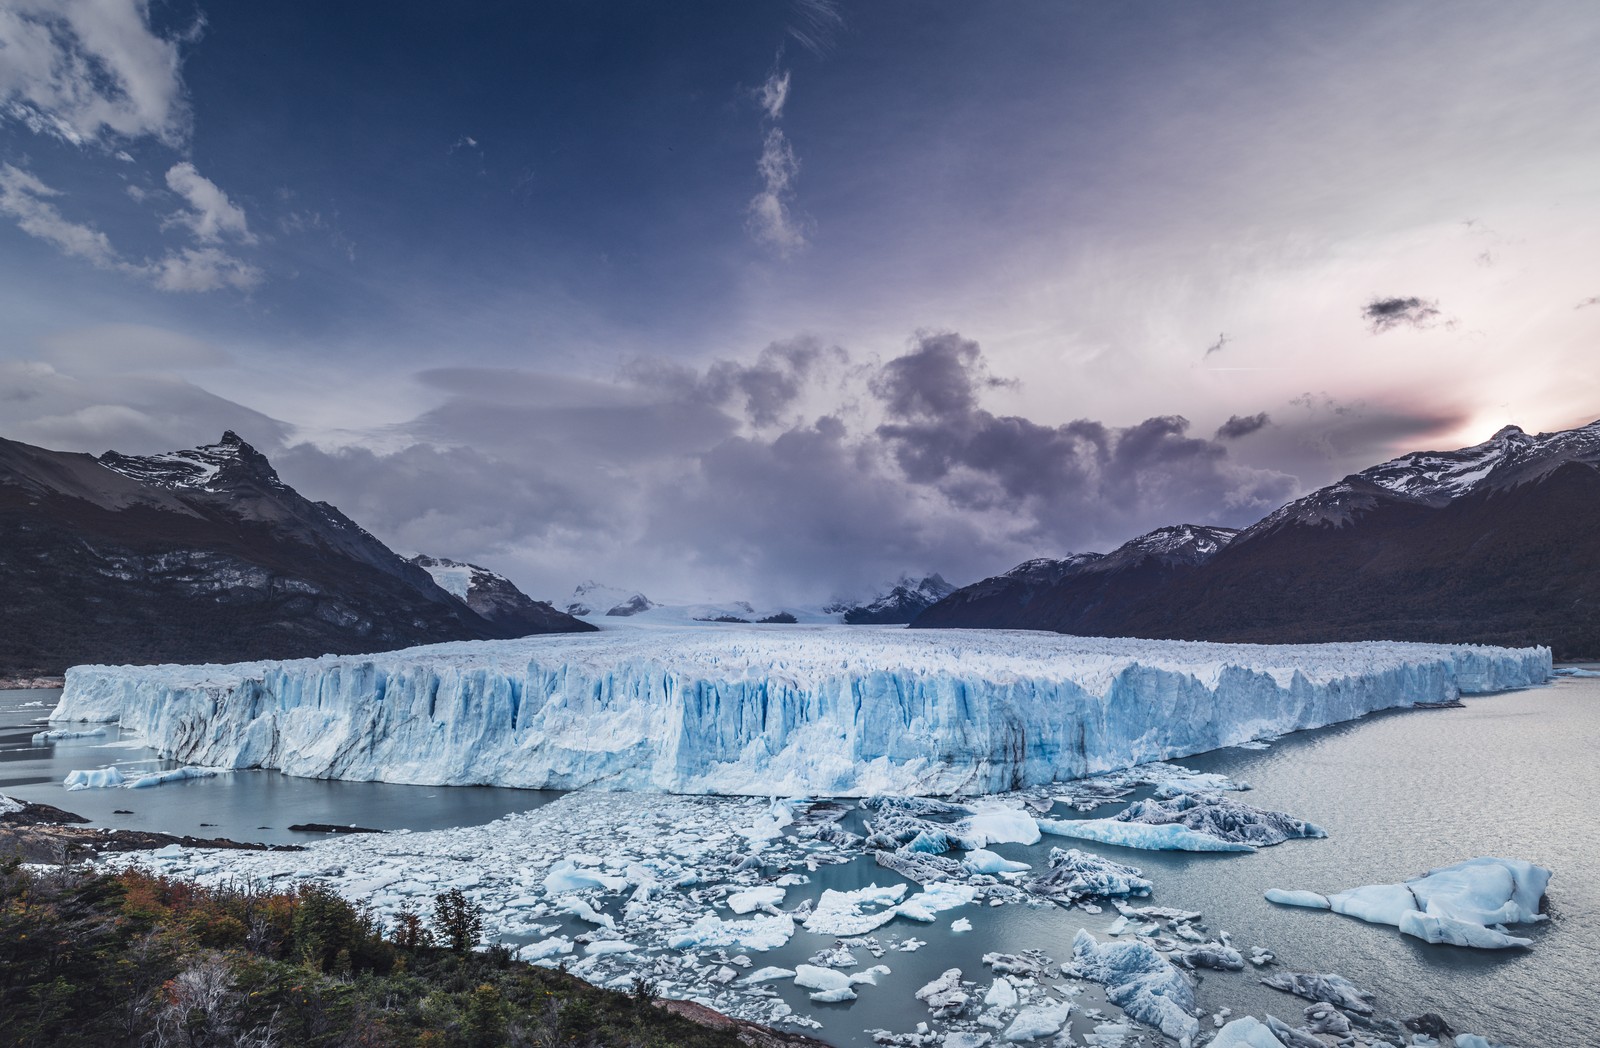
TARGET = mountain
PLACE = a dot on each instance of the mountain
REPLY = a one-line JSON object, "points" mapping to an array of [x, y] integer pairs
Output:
{"points": [[901, 603], [1494, 543], [591, 598], [195, 556], [494, 597], [1085, 593]]}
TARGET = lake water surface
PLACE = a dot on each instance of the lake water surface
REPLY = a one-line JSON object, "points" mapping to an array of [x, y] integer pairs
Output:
{"points": [[1513, 775]]}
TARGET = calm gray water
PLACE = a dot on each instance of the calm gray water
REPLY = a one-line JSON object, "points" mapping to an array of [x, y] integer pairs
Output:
{"points": [[1512, 775]]}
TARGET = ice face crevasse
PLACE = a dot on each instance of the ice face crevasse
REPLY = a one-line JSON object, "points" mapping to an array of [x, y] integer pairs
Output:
{"points": [[805, 711]]}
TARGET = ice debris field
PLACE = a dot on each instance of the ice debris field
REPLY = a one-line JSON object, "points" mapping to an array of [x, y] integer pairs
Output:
{"points": [[763, 711], [721, 900]]}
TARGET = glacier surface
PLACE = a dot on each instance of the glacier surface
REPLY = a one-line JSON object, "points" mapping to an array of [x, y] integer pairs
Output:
{"points": [[769, 710]]}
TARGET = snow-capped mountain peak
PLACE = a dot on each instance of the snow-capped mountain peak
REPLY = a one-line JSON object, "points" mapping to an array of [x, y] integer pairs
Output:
{"points": [[592, 598], [1435, 478], [1173, 544], [208, 467]]}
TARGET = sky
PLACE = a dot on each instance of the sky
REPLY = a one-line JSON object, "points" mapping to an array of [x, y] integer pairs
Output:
{"points": [[780, 300]]}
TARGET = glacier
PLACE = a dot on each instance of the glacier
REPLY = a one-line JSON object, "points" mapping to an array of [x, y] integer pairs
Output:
{"points": [[792, 711]]}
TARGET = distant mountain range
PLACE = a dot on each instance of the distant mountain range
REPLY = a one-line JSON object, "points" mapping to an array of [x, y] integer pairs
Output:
{"points": [[495, 597], [897, 604], [1496, 543], [207, 555]]}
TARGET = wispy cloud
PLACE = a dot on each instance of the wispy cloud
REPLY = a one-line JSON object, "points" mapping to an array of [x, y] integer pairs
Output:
{"points": [[815, 24], [773, 93], [31, 204], [28, 201], [90, 72], [1217, 346], [1242, 426], [771, 218], [211, 215]]}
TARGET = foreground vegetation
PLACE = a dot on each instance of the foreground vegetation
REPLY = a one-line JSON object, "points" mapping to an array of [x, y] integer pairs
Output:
{"points": [[88, 958]]}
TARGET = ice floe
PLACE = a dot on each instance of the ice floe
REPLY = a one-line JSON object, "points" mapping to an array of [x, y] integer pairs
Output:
{"points": [[1466, 904], [1141, 982]]}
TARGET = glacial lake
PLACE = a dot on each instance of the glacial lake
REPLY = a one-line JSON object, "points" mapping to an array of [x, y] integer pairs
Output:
{"points": [[1512, 775]]}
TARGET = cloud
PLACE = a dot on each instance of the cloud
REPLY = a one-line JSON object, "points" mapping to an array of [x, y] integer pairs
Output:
{"points": [[90, 72], [211, 215], [1384, 314], [765, 392], [1217, 346], [770, 219], [130, 347], [1242, 426], [202, 269], [1080, 480], [773, 93], [1592, 300], [28, 200], [815, 24]]}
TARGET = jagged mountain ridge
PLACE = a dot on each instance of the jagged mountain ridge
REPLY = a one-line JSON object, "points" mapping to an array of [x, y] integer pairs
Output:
{"points": [[1083, 589], [1493, 543], [903, 601], [194, 556], [493, 596]]}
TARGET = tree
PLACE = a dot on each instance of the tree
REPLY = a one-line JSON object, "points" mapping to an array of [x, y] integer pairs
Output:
{"points": [[458, 919]]}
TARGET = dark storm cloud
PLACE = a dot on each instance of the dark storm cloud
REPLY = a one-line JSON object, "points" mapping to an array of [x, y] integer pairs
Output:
{"points": [[1242, 425], [766, 391], [1076, 481], [1386, 313]]}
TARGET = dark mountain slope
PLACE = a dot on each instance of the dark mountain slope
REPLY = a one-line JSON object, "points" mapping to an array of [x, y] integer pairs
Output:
{"points": [[1088, 593], [1515, 566], [1495, 543], [202, 555]]}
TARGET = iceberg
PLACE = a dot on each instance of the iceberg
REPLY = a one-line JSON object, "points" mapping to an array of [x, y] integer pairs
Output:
{"points": [[94, 779], [1075, 875], [1211, 821], [1039, 1020], [804, 711], [1141, 982], [1140, 835], [1245, 1032], [1462, 905], [1328, 989]]}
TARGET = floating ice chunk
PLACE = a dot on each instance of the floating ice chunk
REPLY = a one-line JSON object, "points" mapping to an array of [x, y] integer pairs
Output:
{"points": [[171, 851], [1140, 835], [945, 996], [842, 913], [770, 825], [545, 948], [996, 823], [1311, 900], [869, 976], [1461, 905], [568, 876], [965, 1039], [830, 985], [1002, 994], [1075, 875], [1212, 955], [934, 899], [94, 779], [1039, 1020], [762, 898], [768, 974], [1141, 982], [161, 778], [982, 860], [763, 932], [961, 924], [1472, 1040], [1331, 989], [581, 909], [1245, 1032], [1215, 815], [609, 946], [62, 735]]}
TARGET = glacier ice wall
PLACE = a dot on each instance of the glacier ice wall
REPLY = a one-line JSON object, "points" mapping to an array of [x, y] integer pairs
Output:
{"points": [[769, 710]]}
